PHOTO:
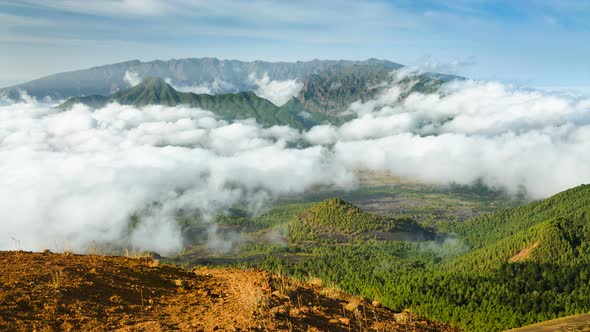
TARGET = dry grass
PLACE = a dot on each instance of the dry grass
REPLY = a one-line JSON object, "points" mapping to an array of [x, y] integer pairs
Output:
{"points": [[283, 285], [331, 291], [57, 278], [252, 297], [353, 304], [315, 281]]}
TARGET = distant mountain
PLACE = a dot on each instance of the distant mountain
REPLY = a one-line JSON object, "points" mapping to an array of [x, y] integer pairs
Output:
{"points": [[324, 96], [337, 87], [328, 87], [231, 106], [331, 91], [219, 76]]}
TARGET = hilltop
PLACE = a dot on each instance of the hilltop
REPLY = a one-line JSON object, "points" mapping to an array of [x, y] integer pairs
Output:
{"points": [[67, 292], [341, 221]]}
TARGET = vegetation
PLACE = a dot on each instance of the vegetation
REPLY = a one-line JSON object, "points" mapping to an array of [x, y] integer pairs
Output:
{"points": [[341, 221], [231, 106], [499, 270], [323, 99]]}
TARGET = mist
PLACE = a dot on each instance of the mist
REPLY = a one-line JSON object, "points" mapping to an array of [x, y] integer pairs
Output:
{"points": [[70, 178], [77, 176], [506, 136], [277, 92]]}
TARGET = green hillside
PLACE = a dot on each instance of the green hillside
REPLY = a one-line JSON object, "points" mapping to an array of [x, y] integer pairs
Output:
{"points": [[340, 221], [231, 106], [499, 270], [572, 204], [529, 264]]}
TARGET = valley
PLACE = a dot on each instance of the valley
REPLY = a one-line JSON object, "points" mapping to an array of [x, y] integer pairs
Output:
{"points": [[509, 264], [223, 181], [309, 166]]}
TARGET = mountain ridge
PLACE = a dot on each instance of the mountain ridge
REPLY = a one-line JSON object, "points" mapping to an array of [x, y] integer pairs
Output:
{"points": [[336, 220], [106, 79], [230, 106]]}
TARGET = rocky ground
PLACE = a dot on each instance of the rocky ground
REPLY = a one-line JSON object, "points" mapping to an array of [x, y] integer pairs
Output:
{"points": [[68, 292]]}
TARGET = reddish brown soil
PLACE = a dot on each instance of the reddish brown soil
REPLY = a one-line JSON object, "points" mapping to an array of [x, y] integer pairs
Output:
{"points": [[67, 292]]}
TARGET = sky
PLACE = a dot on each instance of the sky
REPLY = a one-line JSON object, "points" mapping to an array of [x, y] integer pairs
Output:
{"points": [[528, 42]]}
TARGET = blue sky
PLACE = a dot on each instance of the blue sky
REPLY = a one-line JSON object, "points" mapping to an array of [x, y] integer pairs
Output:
{"points": [[527, 42]]}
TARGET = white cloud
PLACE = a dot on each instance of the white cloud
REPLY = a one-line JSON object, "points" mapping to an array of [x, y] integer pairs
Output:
{"points": [[322, 135], [216, 87], [77, 176], [278, 92], [115, 8], [131, 78], [508, 137]]}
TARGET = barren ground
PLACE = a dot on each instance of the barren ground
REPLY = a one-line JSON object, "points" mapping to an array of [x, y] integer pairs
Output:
{"points": [[67, 292]]}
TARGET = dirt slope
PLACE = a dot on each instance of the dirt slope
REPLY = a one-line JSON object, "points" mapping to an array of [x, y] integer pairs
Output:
{"points": [[576, 323], [524, 253], [67, 292]]}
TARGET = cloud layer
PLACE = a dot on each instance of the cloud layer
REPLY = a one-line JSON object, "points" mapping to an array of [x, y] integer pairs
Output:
{"points": [[77, 176], [506, 136]]}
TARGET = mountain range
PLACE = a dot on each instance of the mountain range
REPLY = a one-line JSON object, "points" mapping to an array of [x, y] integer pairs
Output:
{"points": [[221, 76], [229, 106], [324, 89]]}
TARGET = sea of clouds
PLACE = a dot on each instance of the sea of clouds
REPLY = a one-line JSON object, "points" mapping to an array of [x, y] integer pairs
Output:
{"points": [[77, 176]]}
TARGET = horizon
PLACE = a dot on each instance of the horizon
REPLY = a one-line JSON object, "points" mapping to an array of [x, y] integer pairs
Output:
{"points": [[529, 43]]}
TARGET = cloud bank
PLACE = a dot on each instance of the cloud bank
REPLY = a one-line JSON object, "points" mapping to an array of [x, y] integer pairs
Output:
{"points": [[506, 136], [77, 176], [131, 78], [278, 92]]}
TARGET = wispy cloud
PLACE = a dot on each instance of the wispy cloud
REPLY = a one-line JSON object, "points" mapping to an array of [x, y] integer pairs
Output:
{"points": [[10, 20], [115, 8]]}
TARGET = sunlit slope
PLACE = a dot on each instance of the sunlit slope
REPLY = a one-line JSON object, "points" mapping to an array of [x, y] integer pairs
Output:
{"points": [[336, 220], [67, 292]]}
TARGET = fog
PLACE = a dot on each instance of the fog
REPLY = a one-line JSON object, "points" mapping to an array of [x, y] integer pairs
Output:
{"points": [[70, 178], [76, 176]]}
